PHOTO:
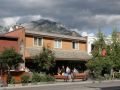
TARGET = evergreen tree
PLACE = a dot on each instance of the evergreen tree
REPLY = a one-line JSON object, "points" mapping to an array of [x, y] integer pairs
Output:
{"points": [[99, 63], [115, 50]]}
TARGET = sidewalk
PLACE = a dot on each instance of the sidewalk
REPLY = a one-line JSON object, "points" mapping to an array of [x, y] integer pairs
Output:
{"points": [[10, 86]]}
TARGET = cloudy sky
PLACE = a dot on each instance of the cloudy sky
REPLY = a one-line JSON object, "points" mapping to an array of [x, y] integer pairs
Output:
{"points": [[81, 15]]}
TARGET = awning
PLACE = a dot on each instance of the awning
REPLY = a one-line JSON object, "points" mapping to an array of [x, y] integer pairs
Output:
{"points": [[61, 54]]}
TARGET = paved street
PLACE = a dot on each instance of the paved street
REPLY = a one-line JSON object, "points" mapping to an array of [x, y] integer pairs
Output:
{"points": [[72, 86]]}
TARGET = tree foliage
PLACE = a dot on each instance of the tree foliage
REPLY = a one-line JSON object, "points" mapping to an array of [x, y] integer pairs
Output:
{"points": [[10, 57], [111, 60], [99, 63], [115, 50], [45, 60]]}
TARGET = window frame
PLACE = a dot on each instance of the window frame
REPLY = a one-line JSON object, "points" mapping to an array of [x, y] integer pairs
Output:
{"points": [[38, 41], [76, 45], [56, 46]]}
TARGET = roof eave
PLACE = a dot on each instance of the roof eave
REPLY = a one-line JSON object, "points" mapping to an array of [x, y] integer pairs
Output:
{"points": [[82, 39]]}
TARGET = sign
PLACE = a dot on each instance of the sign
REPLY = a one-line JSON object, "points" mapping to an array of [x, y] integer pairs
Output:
{"points": [[104, 53]]}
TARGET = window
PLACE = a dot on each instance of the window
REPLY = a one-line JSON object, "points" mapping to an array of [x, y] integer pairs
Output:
{"points": [[75, 45], [37, 41], [58, 44]]}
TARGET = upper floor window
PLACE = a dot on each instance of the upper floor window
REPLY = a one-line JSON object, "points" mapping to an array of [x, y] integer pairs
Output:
{"points": [[75, 45], [37, 41], [58, 43]]}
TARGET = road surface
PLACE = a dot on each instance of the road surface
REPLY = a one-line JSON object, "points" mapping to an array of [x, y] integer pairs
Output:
{"points": [[113, 85]]}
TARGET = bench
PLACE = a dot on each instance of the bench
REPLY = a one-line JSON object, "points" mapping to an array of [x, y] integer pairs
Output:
{"points": [[65, 78], [82, 76]]}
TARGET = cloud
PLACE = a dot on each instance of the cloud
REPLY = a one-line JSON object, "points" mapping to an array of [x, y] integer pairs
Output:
{"points": [[8, 21], [95, 21], [85, 15], [38, 3], [84, 34]]}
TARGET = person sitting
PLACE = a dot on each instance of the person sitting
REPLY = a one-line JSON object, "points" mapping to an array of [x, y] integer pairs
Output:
{"points": [[59, 71], [75, 71], [63, 70]]}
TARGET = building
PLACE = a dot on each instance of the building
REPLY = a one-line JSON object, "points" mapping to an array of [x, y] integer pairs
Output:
{"points": [[92, 39], [90, 43], [8, 42], [69, 50]]}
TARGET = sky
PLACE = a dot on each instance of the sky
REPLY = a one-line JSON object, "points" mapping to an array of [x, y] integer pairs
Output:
{"points": [[80, 15]]}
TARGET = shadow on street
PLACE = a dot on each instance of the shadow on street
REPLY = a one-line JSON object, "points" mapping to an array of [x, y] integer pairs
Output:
{"points": [[111, 88]]}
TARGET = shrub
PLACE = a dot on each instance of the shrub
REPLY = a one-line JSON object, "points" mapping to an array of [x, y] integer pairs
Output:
{"points": [[9, 79], [107, 76], [25, 79], [117, 75], [41, 77], [12, 81], [50, 78], [36, 77]]}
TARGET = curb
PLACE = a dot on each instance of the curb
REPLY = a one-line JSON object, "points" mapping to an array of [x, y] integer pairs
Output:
{"points": [[53, 84]]}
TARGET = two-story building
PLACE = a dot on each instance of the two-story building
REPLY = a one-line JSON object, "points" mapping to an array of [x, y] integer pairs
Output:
{"points": [[8, 42], [69, 50]]}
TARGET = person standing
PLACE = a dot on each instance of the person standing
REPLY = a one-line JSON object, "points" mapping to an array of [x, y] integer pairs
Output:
{"points": [[68, 72]]}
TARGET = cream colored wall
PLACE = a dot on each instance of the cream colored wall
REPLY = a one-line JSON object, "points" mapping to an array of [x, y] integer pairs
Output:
{"points": [[66, 45], [29, 41], [48, 42], [83, 46]]}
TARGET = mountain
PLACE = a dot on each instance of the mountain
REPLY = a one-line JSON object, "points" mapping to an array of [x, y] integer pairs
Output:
{"points": [[45, 25], [3, 30]]}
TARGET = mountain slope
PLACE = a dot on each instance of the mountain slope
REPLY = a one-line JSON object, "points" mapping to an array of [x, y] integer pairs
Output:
{"points": [[49, 26], [3, 30]]}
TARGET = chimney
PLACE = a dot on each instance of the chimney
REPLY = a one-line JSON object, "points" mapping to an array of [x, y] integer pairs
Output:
{"points": [[11, 29], [18, 26]]}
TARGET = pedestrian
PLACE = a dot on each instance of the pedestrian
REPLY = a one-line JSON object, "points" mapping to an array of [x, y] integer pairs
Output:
{"points": [[68, 72]]}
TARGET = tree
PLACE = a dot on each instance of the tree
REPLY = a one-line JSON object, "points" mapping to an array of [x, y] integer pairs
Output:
{"points": [[115, 50], [99, 44], [45, 60], [10, 57], [99, 62]]}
